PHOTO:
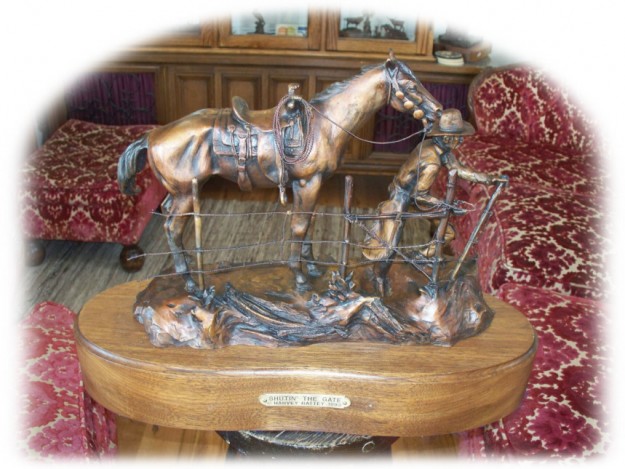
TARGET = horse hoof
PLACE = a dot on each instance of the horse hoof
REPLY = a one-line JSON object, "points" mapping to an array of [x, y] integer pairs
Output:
{"points": [[314, 271], [191, 288], [203, 297], [303, 287]]}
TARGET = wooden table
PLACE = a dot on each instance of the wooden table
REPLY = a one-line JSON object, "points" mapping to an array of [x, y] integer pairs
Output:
{"points": [[353, 388]]}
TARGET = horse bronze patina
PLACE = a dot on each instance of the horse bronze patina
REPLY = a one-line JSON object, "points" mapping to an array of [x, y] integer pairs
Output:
{"points": [[299, 143]]}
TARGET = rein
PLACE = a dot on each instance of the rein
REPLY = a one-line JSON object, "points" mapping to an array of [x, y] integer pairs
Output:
{"points": [[308, 109], [308, 145], [351, 134]]}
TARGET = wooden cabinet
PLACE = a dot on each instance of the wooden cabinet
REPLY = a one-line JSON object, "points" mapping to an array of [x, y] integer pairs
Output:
{"points": [[206, 65]]}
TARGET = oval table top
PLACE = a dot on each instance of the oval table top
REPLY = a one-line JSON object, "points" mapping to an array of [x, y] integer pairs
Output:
{"points": [[350, 387]]}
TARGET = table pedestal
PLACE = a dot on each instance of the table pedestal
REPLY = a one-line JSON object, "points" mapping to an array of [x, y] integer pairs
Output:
{"points": [[276, 445]]}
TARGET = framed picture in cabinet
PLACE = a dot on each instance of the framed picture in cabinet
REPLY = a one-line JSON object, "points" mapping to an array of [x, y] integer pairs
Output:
{"points": [[357, 30], [258, 29]]}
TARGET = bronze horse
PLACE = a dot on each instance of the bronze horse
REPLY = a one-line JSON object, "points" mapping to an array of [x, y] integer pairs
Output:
{"points": [[252, 148]]}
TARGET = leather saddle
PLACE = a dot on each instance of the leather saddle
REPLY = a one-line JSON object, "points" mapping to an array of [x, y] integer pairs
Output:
{"points": [[262, 120], [291, 123], [236, 132]]}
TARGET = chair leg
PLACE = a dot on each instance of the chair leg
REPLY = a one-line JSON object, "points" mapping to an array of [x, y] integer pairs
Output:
{"points": [[35, 252], [131, 258]]}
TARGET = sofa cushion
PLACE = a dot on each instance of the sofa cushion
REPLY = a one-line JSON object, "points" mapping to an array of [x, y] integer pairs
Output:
{"points": [[58, 417], [544, 238], [70, 187], [522, 103], [563, 413], [535, 165]]}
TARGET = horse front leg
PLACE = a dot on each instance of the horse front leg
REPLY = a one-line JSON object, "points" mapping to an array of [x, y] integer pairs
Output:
{"points": [[380, 270], [174, 229], [304, 199], [307, 251]]}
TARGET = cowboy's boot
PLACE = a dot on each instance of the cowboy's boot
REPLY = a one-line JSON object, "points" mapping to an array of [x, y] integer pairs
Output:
{"points": [[426, 201]]}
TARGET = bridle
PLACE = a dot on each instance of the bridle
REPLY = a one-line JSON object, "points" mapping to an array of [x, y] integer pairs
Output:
{"points": [[396, 90]]}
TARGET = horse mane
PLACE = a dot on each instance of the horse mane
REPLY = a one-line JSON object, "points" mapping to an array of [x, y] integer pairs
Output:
{"points": [[336, 88]]}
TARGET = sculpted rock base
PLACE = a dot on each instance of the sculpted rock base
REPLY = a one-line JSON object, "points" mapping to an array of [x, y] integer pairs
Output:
{"points": [[257, 306]]}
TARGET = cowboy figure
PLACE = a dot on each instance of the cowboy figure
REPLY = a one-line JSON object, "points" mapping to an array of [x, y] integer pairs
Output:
{"points": [[414, 181]]}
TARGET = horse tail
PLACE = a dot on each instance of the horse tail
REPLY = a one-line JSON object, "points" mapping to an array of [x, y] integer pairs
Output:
{"points": [[130, 163]]}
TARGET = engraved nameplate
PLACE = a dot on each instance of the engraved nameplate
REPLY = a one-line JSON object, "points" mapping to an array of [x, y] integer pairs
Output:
{"points": [[304, 400]]}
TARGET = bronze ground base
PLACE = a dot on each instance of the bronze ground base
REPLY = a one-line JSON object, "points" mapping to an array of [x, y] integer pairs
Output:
{"points": [[259, 306]]}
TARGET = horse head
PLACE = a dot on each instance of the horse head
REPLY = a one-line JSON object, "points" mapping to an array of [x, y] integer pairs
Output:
{"points": [[407, 94]]}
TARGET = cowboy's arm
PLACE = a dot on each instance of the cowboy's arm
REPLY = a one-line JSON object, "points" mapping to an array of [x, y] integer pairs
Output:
{"points": [[467, 173]]}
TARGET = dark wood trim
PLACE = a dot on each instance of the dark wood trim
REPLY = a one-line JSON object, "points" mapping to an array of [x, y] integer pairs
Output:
{"points": [[307, 59]]}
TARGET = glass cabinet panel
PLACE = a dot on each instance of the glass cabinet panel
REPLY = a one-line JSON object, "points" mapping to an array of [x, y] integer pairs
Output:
{"points": [[362, 30], [273, 24], [272, 30], [368, 24]]}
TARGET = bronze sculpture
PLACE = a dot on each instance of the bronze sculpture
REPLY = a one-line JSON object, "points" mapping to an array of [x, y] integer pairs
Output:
{"points": [[244, 146], [424, 298]]}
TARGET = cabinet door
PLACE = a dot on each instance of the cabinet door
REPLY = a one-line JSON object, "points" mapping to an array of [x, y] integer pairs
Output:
{"points": [[190, 88], [245, 82]]}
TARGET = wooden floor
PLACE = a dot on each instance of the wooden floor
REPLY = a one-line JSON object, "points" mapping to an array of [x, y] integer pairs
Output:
{"points": [[73, 272]]}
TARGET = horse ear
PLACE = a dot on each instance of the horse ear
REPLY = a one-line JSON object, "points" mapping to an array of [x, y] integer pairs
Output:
{"points": [[391, 62]]}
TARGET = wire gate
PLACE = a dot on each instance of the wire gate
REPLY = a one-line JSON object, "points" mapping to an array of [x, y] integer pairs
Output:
{"points": [[355, 221]]}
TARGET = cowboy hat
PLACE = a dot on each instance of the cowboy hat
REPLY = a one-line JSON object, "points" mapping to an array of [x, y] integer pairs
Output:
{"points": [[451, 123]]}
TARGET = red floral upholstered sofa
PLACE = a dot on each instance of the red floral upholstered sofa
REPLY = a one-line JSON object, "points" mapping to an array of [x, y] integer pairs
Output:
{"points": [[58, 418], [544, 252], [70, 187]]}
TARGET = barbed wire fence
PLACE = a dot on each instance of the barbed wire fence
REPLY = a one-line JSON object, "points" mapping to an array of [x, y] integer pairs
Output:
{"points": [[256, 238]]}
